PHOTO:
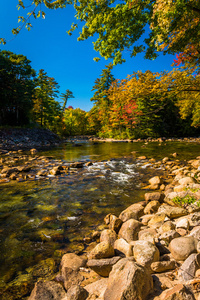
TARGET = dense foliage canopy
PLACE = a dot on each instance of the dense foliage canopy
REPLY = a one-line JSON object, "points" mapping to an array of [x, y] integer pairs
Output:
{"points": [[171, 26]]}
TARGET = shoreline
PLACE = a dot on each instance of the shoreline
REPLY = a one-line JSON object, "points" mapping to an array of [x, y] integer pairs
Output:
{"points": [[13, 139]]}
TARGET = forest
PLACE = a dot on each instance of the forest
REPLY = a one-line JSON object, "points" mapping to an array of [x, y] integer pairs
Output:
{"points": [[142, 104]]}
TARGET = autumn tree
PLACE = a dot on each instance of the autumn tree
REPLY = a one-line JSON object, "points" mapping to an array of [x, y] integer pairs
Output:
{"points": [[153, 104], [169, 26], [16, 88], [75, 121]]}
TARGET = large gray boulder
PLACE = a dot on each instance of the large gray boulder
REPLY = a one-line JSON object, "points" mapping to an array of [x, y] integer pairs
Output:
{"points": [[128, 281]]}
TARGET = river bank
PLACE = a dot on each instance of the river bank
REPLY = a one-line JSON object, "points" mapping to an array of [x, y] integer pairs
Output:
{"points": [[150, 251], [27, 138]]}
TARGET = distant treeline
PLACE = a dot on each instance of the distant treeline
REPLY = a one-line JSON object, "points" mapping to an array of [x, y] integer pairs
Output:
{"points": [[142, 105]]}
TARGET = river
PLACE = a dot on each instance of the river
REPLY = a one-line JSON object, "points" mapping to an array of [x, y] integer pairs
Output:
{"points": [[43, 219]]}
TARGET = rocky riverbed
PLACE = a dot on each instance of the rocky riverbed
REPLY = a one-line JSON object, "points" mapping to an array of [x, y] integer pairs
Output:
{"points": [[150, 251]]}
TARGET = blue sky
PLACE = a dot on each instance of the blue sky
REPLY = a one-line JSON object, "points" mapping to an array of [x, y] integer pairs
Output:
{"points": [[49, 47]]}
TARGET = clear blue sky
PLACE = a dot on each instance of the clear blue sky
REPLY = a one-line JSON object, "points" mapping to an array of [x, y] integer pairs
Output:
{"points": [[49, 47]]}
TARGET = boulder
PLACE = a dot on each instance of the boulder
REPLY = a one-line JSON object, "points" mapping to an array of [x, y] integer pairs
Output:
{"points": [[73, 261], [168, 236], [194, 219], [186, 181], [109, 236], [178, 292], [163, 266], [135, 211], [145, 219], [45, 290], [183, 223], [156, 180], [155, 196], [76, 292], [172, 212], [128, 281], [189, 267], [145, 253], [167, 226], [103, 266], [115, 223], [179, 188], [71, 277], [148, 234], [129, 230], [195, 232], [122, 248], [182, 231], [158, 218], [182, 247], [55, 170], [195, 163], [97, 288], [152, 207], [77, 165], [102, 250]]}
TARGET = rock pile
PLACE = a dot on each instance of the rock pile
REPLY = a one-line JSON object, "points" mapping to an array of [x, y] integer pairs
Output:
{"points": [[27, 138], [150, 251]]}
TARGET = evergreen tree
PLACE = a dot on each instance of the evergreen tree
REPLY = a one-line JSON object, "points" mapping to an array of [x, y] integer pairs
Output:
{"points": [[16, 88], [46, 108], [100, 96], [65, 96]]}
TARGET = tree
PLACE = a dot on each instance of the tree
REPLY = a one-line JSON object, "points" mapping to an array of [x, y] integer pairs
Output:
{"points": [[46, 111], [75, 121], [16, 88], [100, 96], [152, 104], [169, 26], [65, 96]]}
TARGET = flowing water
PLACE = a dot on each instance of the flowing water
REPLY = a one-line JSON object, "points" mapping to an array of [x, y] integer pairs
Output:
{"points": [[43, 219]]}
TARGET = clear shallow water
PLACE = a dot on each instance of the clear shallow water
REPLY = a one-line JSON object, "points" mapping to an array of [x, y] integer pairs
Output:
{"points": [[45, 218]]}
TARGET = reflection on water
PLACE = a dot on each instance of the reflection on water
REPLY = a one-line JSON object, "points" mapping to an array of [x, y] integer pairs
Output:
{"points": [[40, 220]]}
